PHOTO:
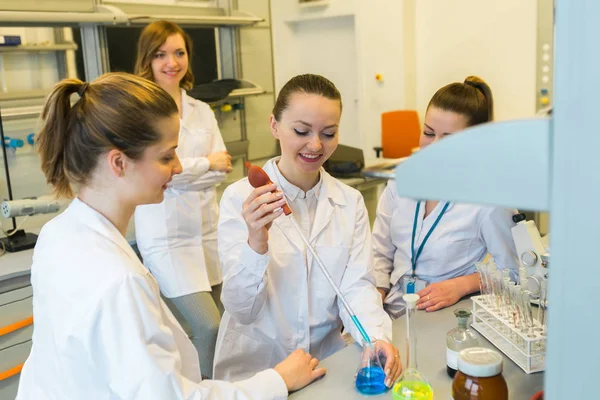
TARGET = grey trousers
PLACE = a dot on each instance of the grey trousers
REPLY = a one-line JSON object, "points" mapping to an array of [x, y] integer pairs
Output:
{"points": [[201, 312]]}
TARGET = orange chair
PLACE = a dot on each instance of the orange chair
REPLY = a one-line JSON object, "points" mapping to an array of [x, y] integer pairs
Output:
{"points": [[400, 131]]}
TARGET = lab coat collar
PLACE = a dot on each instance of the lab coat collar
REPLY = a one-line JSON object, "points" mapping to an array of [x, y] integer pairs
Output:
{"points": [[329, 185], [292, 192], [187, 106], [330, 195], [100, 224]]}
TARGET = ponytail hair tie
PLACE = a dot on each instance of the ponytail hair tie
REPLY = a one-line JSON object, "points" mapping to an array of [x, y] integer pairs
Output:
{"points": [[82, 89], [472, 84]]}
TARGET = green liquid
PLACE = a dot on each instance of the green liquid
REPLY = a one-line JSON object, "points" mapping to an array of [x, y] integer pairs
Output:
{"points": [[412, 390]]}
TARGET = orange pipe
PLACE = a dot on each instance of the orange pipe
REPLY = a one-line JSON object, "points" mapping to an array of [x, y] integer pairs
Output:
{"points": [[17, 325], [11, 372]]}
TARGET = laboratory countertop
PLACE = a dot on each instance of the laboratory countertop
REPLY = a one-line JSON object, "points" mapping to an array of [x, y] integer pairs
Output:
{"points": [[381, 168], [431, 360], [13, 265]]}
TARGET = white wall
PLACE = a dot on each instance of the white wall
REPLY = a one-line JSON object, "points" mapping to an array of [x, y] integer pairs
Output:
{"points": [[285, 16], [381, 30], [319, 40], [495, 40], [418, 46]]}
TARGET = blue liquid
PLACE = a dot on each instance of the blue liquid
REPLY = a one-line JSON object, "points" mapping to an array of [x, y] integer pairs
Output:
{"points": [[371, 381]]}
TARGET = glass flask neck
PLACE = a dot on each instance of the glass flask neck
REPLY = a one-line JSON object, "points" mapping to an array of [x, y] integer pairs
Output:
{"points": [[463, 322], [411, 340]]}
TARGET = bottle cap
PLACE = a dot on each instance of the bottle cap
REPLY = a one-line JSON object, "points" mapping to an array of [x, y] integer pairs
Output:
{"points": [[411, 299], [462, 313], [480, 362]]}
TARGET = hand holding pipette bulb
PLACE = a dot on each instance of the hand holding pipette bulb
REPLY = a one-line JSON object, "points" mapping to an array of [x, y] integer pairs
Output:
{"points": [[259, 210]]}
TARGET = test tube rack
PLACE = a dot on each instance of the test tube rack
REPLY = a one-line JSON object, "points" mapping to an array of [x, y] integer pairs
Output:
{"points": [[527, 351]]}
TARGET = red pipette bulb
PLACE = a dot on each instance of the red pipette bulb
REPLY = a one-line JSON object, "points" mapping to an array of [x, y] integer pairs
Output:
{"points": [[258, 177]]}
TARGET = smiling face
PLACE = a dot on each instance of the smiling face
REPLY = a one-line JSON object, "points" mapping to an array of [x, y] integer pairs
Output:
{"points": [[151, 174], [441, 123], [308, 135], [170, 63]]}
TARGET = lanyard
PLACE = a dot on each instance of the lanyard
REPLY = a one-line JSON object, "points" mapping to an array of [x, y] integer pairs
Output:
{"points": [[414, 257]]}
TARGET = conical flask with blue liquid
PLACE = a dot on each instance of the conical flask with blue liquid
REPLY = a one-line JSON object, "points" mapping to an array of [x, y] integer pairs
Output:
{"points": [[370, 377]]}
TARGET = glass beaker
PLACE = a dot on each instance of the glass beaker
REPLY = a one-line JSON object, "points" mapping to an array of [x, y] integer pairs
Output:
{"points": [[370, 378], [411, 385]]}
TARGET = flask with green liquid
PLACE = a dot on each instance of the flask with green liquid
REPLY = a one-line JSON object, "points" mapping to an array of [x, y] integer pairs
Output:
{"points": [[411, 385]]}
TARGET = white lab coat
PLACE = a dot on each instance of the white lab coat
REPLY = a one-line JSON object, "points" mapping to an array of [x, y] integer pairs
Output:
{"points": [[465, 235], [278, 302], [101, 328], [178, 237]]}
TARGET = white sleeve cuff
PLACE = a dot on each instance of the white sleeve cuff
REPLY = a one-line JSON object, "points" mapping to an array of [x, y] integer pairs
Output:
{"points": [[252, 261], [382, 279], [269, 384], [203, 164]]}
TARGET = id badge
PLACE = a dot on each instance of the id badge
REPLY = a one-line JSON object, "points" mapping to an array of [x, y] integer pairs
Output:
{"points": [[412, 284]]}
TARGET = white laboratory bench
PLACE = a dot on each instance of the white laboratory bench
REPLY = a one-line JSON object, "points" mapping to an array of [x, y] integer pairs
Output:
{"points": [[14, 266], [338, 383]]}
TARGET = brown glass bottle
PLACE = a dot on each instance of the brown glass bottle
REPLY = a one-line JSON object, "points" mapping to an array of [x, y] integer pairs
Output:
{"points": [[479, 376]]}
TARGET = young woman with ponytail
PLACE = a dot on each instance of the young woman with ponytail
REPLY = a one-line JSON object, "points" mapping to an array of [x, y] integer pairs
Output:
{"points": [[101, 328], [440, 267]]}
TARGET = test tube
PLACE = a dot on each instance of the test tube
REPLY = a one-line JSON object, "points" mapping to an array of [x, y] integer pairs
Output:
{"points": [[506, 294], [483, 286], [513, 317], [487, 273], [526, 299], [523, 276], [498, 284], [493, 288], [542, 306], [506, 297], [514, 314], [520, 324]]}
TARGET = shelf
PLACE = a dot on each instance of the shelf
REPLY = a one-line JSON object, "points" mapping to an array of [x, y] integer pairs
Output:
{"points": [[40, 48], [503, 164], [318, 3], [10, 114], [207, 21], [104, 14], [29, 94], [136, 14], [316, 17], [57, 6], [248, 89], [182, 13]]}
